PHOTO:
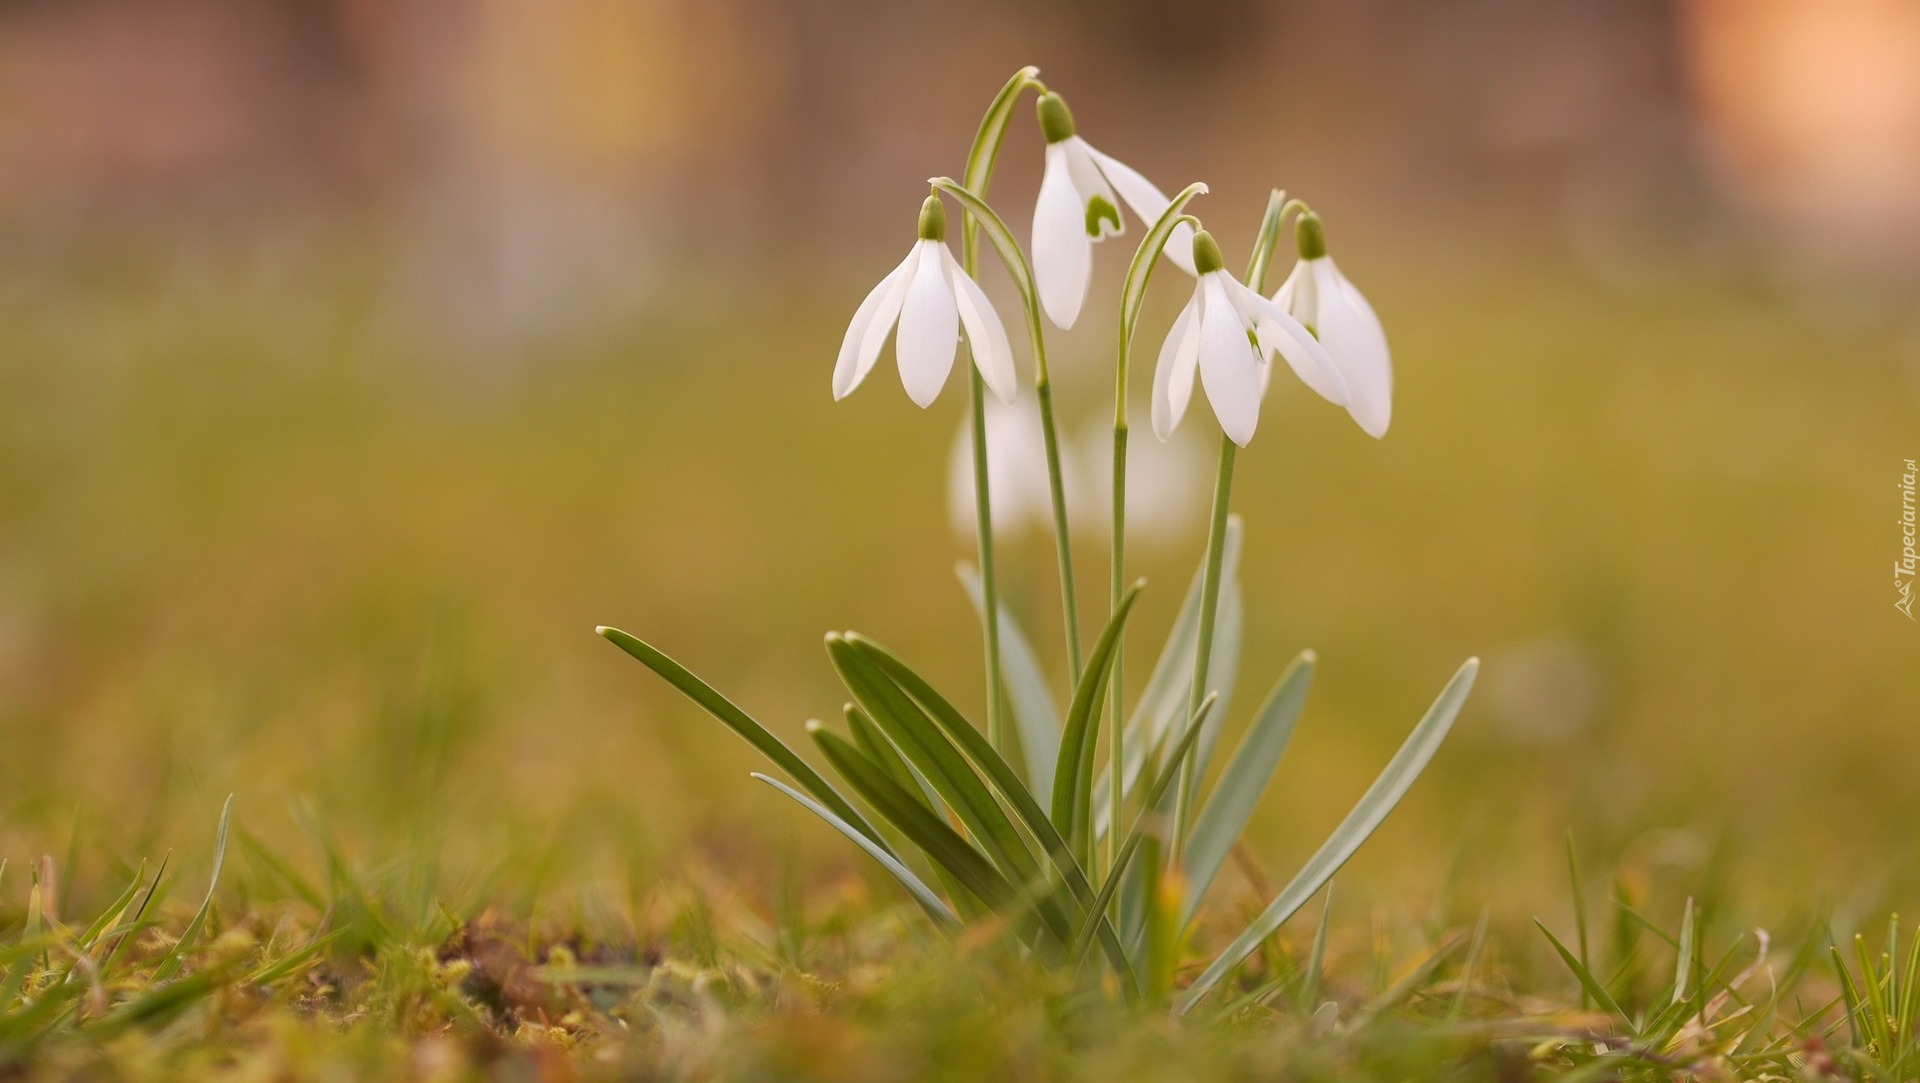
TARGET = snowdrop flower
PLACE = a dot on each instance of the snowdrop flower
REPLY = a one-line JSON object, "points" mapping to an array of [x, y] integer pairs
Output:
{"points": [[1078, 205], [1322, 299], [931, 298], [1016, 473], [1229, 334]]}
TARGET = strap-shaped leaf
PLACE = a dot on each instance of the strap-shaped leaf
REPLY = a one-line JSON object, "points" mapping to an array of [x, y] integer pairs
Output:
{"points": [[1018, 797], [1034, 713], [920, 741], [744, 724], [1373, 807], [1163, 701], [881, 750], [1233, 800], [1157, 789], [1073, 773], [934, 905], [940, 843]]}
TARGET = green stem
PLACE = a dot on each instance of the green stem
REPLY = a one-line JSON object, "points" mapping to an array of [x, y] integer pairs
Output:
{"points": [[1056, 485], [980, 161], [989, 580], [1116, 749], [1209, 611]]}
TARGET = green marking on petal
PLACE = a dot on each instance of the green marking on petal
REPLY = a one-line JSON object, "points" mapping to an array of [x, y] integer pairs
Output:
{"points": [[1101, 209]]}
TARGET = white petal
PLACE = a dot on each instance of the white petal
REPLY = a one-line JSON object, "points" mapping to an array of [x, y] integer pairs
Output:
{"points": [[1088, 181], [1296, 294], [1229, 364], [929, 327], [1062, 252], [992, 353], [868, 331], [1279, 332], [1148, 202], [1173, 374], [1352, 335]]}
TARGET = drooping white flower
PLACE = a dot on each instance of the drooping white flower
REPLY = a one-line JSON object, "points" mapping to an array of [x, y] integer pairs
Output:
{"points": [[1020, 499], [1322, 299], [931, 298], [1080, 194], [1229, 334]]}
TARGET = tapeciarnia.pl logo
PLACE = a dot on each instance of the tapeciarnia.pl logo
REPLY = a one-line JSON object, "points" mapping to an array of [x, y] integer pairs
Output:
{"points": [[1903, 569]]}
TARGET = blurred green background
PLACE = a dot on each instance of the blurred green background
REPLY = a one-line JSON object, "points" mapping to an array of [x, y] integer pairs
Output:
{"points": [[357, 359]]}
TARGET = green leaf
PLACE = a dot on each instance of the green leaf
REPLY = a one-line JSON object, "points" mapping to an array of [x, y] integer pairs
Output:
{"points": [[1034, 712], [1143, 819], [935, 906], [1373, 807], [170, 963], [1233, 800], [881, 750], [1002, 776], [940, 843], [743, 724], [1163, 700], [922, 744], [1073, 774]]}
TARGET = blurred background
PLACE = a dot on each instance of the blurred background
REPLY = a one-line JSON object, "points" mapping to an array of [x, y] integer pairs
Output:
{"points": [[356, 359]]}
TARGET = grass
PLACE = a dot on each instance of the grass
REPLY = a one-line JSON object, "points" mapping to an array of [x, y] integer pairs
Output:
{"points": [[353, 583], [357, 972]]}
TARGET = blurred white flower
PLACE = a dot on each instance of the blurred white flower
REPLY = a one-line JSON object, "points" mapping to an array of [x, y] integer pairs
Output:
{"points": [[1016, 473], [1322, 299], [1169, 486], [931, 298], [1229, 333], [1078, 205]]}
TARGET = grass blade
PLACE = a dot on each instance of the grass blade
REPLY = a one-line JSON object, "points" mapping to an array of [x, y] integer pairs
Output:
{"points": [[742, 723], [1587, 981], [1373, 807], [933, 904], [1233, 800], [170, 963]]}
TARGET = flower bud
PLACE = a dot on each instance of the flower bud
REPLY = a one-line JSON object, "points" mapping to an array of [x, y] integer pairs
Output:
{"points": [[1206, 253], [1056, 120], [1309, 237], [933, 220]]}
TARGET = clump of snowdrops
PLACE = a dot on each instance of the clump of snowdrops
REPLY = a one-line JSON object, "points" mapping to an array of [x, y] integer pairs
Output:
{"points": [[1093, 862]]}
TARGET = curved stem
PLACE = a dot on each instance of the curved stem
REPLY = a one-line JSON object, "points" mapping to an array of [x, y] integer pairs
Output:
{"points": [[979, 172], [1022, 273]]}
